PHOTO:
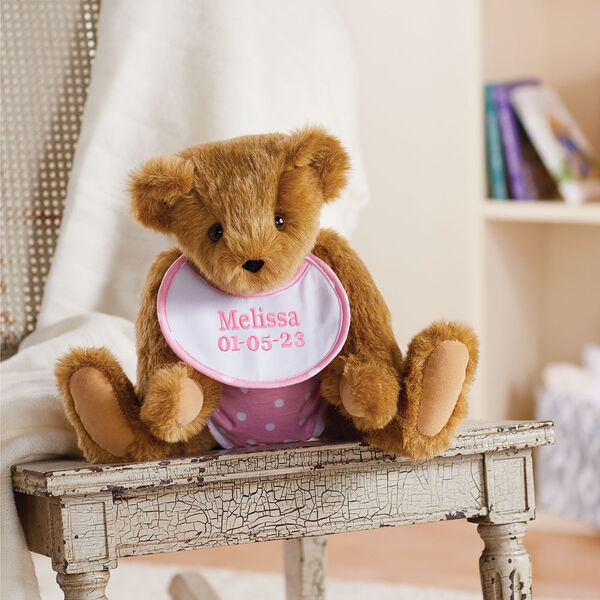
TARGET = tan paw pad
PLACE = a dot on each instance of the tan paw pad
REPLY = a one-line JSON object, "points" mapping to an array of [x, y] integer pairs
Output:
{"points": [[191, 400], [442, 383], [99, 411], [349, 403]]}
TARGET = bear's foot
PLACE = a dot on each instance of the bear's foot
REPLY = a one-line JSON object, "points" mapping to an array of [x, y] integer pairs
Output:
{"points": [[438, 370], [99, 403], [369, 393], [172, 407]]}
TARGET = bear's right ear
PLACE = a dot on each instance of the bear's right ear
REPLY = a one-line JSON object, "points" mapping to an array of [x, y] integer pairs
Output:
{"points": [[156, 186]]}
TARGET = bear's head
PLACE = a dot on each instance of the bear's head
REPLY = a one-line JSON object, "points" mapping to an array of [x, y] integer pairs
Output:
{"points": [[244, 211]]}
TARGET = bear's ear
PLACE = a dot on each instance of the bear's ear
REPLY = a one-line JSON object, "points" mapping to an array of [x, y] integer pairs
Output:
{"points": [[156, 186], [314, 147]]}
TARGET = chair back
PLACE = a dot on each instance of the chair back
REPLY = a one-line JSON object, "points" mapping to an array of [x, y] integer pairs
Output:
{"points": [[47, 49]]}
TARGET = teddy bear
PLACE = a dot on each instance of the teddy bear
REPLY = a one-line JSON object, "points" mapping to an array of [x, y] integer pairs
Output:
{"points": [[245, 215]]}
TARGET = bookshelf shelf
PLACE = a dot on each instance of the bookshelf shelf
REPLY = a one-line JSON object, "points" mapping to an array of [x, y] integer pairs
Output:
{"points": [[536, 262], [541, 212]]}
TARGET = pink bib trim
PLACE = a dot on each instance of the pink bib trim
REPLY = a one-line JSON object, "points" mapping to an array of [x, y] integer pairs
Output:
{"points": [[269, 340]]}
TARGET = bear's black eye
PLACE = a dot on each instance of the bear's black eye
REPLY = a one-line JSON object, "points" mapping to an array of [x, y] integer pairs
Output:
{"points": [[279, 221], [215, 232]]}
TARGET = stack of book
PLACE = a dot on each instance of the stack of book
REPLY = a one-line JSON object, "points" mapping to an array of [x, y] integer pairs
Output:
{"points": [[535, 149]]}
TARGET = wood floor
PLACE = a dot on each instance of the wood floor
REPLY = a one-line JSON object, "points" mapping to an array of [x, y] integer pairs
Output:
{"points": [[565, 565]]}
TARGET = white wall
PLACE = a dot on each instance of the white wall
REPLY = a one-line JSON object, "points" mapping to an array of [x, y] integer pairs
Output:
{"points": [[418, 79]]}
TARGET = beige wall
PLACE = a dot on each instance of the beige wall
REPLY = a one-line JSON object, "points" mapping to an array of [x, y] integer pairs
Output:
{"points": [[555, 40], [418, 80]]}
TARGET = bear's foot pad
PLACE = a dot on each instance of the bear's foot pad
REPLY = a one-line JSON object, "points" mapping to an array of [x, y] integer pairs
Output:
{"points": [[191, 400], [98, 409], [442, 383]]}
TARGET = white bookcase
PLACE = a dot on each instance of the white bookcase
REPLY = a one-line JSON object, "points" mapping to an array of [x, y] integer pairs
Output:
{"points": [[538, 265]]}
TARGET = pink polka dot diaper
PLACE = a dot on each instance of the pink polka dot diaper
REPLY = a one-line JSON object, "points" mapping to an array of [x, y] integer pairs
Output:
{"points": [[249, 417]]}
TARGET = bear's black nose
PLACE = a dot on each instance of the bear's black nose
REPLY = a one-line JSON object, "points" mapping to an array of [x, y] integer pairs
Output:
{"points": [[253, 265]]}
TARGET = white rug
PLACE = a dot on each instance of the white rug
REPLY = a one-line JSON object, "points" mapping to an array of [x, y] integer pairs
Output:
{"points": [[150, 582]]}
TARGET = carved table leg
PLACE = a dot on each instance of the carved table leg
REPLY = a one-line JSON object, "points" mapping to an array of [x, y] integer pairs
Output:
{"points": [[505, 566], [83, 586], [305, 568]]}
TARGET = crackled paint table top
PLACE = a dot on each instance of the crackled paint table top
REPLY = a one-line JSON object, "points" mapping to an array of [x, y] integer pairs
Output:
{"points": [[67, 477]]}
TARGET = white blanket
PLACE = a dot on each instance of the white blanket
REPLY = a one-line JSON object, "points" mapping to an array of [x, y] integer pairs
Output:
{"points": [[166, 75]]}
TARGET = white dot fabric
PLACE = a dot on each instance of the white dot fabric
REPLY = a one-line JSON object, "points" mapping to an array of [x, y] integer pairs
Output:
{"points": [[291, 414]]}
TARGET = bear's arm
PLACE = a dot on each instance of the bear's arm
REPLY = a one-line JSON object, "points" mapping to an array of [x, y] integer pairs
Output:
{"points": [[153, 352], [370, 321]]}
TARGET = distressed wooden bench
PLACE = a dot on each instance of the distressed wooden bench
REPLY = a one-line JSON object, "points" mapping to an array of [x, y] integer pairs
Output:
{"points": [[85, 517]]}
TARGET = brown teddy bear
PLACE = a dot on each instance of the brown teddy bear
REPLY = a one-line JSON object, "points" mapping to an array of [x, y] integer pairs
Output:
{"points": [[245, 214]]}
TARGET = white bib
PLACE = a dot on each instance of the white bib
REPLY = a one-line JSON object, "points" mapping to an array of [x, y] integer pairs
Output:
{"points": [[270, 340]]}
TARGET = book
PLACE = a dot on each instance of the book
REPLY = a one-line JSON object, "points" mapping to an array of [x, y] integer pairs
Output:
{"points": [[539, 182], [495, 159], [559, 141], [511, 143]]}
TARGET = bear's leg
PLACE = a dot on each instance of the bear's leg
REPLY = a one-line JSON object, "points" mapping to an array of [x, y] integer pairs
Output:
{"points": [[438, 370], [178, 402], [101, 404]]}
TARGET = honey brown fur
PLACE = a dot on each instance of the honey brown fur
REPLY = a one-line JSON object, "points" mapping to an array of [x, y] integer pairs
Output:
{"points": [[242, 184]]}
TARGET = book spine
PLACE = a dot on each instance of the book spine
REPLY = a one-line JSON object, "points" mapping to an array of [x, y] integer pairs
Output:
{"points": [[510, 142], [495, 160]]}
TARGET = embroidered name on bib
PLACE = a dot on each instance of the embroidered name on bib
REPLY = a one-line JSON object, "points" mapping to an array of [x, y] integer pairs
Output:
{"points": [[269, 340]]}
